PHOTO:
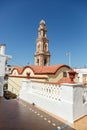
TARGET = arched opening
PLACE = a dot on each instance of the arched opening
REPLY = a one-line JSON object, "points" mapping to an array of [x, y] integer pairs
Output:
{"points": [[45, 62], [37, 61]]}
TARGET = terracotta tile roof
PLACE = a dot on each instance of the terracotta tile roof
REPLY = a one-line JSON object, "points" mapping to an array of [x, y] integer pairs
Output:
{"points": [[18, 68], [65, 80], [47, 69], [40, 69]]}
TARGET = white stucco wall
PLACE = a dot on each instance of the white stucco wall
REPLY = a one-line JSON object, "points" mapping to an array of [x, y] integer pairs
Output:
{"points": [[2, 65], [80, 72], [65, 100], [2, 49], [3, 59], [80, 101], [2, 73]]}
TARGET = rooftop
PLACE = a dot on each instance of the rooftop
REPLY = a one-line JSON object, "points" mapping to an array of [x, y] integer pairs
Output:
{"points": [[18, 115], [41, 69]]}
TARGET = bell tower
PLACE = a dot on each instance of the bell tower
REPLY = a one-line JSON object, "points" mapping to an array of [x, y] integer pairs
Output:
{"points": [[42, 54]]}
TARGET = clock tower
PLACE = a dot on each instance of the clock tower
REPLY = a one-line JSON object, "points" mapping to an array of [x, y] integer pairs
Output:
{"points": [[42, 54]]}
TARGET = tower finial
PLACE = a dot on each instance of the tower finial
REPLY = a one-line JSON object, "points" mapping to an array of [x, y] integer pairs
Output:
{"points": [[42, 22]]}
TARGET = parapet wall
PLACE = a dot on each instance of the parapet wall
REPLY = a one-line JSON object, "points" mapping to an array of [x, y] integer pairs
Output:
{"points": [[79, 101], [65, 100]]}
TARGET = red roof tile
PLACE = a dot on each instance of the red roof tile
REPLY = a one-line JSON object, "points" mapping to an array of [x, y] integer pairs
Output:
{"points": [[47, 69], [18, 68], [40, 69], [65, 80]]}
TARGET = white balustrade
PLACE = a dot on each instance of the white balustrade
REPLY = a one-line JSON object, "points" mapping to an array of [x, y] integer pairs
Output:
{"points": [[46, 90]]}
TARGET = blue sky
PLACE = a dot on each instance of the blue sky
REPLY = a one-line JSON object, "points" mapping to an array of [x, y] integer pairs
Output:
{"points": [[66, 21]]}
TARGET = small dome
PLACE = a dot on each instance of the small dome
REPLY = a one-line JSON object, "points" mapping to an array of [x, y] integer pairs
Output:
{"points": [[42, 22]]}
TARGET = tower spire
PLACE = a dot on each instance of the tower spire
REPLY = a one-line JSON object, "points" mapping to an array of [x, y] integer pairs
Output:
{"points": [[42, 55]]}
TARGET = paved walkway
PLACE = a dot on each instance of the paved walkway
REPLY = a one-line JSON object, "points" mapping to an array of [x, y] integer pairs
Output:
{"points": [[16, 115]]}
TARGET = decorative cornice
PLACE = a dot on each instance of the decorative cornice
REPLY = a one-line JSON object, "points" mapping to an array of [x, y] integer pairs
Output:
{"points": [[42, 39], [31, 77], [42, 53]]}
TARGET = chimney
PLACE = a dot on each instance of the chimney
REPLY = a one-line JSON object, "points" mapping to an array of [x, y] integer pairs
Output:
{"points": [[2, 49], [72, 75]]}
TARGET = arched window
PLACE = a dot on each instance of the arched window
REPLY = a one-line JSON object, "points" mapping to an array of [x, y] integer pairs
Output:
{"points": [[45, 61], [45, 47], [37, 61], [64, 74]]}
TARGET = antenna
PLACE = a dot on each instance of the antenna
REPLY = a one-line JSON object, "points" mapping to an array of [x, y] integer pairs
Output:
{"points": [[69, 58]]}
